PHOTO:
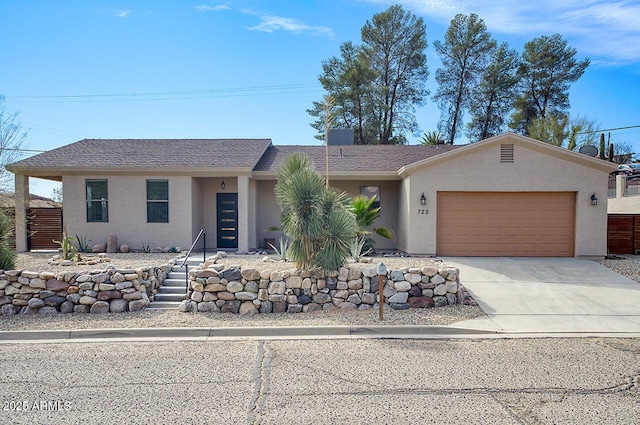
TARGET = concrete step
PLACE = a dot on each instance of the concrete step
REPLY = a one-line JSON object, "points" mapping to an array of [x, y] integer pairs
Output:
{"points": [[163, 305], [175, 280], [169, 297], [176, 276], [172, 289]]}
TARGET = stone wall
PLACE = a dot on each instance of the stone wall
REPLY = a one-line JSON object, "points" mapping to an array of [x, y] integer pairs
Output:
{"points": [[250, 291], [100, 291]]}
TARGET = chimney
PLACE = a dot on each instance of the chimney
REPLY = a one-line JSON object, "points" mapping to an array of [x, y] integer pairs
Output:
{"points": [[340, 136]]}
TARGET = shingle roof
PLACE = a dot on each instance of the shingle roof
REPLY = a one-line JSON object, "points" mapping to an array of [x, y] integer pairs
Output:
{"points": [[370, 158], [250, 154], [150, 153]]}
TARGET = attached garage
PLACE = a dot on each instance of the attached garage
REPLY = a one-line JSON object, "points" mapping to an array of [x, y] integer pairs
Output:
{"points": [[486, 224]]}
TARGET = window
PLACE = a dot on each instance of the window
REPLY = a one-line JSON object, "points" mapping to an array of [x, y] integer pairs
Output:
{"points": [[157, 201], [370, 191], [97, 201]]}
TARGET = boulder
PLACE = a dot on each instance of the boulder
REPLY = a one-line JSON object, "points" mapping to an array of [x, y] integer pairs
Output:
{"points": [[420, 302], [66, 307], [247, 308], [137, 305], [99, 307], [99, 248], [112, 244], [118, 305]]}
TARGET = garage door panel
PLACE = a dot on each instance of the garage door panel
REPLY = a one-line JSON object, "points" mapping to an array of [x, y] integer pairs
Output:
{"points": [[506, 224]]}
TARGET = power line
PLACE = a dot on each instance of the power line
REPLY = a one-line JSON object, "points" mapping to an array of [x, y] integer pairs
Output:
{"points": [[21, 150], [610, 129], [176, 94]]}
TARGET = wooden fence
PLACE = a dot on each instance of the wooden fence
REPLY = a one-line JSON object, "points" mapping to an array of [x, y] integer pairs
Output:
{"points": [[623, 233], [43, 226]]}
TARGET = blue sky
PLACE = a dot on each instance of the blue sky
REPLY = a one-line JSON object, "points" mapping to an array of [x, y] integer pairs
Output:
{"points": [[248, 69]]}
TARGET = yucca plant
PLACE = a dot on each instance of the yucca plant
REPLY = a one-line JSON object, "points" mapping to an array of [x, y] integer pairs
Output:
{"points": [[315, 218]]}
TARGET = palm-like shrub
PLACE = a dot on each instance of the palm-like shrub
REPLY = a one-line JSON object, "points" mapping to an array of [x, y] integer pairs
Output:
{"points": [[315, 218], [366, 214]]}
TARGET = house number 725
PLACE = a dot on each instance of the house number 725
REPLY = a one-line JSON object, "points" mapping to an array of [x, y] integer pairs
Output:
{"points": [[422, 211]]}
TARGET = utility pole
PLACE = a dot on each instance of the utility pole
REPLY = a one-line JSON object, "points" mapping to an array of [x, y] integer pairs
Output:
{"points": [[328, 123]]}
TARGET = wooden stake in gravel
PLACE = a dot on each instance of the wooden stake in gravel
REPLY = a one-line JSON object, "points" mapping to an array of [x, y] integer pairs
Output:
{"points": [[382, 272]]}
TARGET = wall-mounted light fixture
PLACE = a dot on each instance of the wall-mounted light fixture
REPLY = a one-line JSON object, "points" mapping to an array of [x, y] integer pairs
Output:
{"points": [[222, 185], [423, 199], [594, 199]]}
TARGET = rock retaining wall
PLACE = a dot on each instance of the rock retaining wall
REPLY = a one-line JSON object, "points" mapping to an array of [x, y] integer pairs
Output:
{"points": [[100, 291], [250, 291]]}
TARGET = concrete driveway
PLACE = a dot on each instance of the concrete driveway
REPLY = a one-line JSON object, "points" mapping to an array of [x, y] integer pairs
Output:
{"points": [[549, 295]]}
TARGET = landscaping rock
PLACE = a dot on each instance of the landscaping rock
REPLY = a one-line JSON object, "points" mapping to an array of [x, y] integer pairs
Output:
{"points": [[99, 307], [137, 305], [46, 310], [8, 310], [420, 302], [118, 305]]}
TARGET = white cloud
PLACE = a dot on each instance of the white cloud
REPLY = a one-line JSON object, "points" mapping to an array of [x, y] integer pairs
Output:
{"points": [[122, 13], [207, 8], [271, 23], [606, 31]]}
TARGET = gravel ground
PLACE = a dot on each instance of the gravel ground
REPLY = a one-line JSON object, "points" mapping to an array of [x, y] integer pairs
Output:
{"points": [[175, 319], [627, 265]]}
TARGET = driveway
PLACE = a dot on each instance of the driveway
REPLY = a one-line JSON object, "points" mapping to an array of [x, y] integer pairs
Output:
{"points": [[549, 295]]}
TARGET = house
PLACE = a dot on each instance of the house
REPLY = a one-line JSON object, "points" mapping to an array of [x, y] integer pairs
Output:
{"points": [[508, 195]]}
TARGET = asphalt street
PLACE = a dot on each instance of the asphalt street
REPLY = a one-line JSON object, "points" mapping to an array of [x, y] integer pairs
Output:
{"points": [[377, 381]]}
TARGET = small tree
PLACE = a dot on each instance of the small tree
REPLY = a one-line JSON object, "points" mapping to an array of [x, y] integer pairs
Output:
{"points": [[315, 218], [602, 153], [12, 139], [7, 255]]}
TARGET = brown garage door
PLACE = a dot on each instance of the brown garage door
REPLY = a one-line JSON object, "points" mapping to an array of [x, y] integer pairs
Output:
{"points": [[535, 224]]}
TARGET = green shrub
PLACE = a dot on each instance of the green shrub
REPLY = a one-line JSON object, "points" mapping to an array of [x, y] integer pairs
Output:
{"points": [[7, 255]]}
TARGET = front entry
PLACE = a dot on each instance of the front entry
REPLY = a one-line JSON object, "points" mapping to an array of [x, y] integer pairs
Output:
{"points": [[227, 208]]}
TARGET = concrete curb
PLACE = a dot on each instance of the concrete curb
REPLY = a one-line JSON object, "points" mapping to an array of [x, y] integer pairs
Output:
{"points": [[242, 332], [289, 332]]}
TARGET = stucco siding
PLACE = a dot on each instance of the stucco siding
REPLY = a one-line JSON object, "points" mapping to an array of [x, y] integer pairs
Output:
{"points": [[197, 218], [623, 205], [404, 214], [267, 211], [127, 206], [531, 171]]}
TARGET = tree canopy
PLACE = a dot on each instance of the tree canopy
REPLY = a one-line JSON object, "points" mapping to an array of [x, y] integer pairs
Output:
{"points": [[492, 99], [378, 84], [547, 69], [464, 52]]}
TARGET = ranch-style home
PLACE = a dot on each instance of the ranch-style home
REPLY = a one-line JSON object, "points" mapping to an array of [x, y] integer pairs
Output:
{"points": [[508, 195]]}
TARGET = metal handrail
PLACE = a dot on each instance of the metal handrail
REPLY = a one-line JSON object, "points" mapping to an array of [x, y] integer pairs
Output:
{"points": [[204, 254]]}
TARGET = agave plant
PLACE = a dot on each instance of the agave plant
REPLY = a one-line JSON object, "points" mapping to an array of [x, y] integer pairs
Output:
{"points": [[282, 251]]}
